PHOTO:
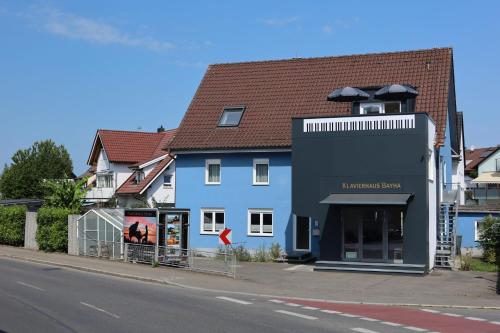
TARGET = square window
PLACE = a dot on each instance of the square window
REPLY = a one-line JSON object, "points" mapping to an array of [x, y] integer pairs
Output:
{"points": [[260, 222], [167, 180], [212, 172], [231, 117], [261, 171], [213, 221]]}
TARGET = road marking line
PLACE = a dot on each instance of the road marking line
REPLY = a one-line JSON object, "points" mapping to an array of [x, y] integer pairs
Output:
{"points": [[452, 314], [310, 308], [475, 318], [330, 311], [29, 285], [430, 310], [100, 310], [348, 315], [495, 322], [390, 323], [293, 268], [276, 301], [416, 329], [234, 300], [295, 314], [362, 330], [292, 304], [369, 319]]}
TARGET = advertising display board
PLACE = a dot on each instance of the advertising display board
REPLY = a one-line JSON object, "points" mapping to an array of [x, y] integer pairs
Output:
{"points": [[140, 226], [173, 230]]}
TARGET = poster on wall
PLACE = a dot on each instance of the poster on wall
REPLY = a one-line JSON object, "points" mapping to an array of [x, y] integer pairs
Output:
{"points": [[173, 230], [140, 226]]}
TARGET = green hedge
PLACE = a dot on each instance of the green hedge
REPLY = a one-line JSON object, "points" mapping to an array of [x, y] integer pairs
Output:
{"points": [[52, 231], [12, 220]]}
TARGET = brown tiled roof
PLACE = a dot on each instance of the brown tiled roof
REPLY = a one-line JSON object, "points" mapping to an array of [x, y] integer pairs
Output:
{"points": [[476, 156], [131, 187], [130, 146], [275, 91]]}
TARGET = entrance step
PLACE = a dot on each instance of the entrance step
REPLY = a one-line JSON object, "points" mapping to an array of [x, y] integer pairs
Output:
{"points": [[299, 257], [351, 266]]}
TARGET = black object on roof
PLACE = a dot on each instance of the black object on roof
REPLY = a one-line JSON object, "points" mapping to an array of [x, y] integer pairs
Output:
{"points": [[396, 91], [347, 94]]}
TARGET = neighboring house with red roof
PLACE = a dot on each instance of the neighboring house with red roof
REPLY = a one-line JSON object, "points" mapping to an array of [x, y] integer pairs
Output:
{"points": [[132, 167], [482, 171], [238, 161]]}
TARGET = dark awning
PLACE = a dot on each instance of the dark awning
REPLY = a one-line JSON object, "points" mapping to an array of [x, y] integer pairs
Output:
{"points": [[367, 199], [347, 94]]}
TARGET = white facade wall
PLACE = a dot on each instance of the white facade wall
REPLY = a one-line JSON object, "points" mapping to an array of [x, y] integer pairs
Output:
{"points": [[489, 164], [458, 172], [102, 161], [432, 195], [159, 192], [120, 173]]}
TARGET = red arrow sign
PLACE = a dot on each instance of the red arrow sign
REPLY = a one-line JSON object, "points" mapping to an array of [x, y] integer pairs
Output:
{"points": [[225, 237]]}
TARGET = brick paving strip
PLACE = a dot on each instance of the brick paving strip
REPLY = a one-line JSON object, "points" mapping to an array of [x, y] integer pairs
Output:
{"points": [[404, 316]]}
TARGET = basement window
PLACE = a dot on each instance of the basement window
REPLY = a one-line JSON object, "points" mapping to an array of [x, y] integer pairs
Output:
{"points": [[231, 117]]}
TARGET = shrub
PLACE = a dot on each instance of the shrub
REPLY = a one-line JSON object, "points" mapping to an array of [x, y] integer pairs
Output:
{"points": [[242, 254], [489, 239], [466, 261], [52, 231], [275, 251], [261, 254], [12, 220]]}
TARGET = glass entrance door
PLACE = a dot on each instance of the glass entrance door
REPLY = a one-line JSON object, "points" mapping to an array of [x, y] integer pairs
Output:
{"points": [[372, 233]]}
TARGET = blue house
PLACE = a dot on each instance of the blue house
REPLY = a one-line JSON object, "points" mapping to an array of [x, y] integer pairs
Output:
{"points": [[470, 223], [235, 156]]}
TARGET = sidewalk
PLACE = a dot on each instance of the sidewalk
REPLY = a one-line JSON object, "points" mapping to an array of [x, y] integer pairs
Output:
{"points": [[443, 288]]}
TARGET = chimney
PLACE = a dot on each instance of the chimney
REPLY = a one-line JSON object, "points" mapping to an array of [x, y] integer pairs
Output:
{"points": [[160, 129]]}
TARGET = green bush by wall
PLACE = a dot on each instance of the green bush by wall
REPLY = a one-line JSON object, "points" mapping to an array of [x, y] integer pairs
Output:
{"points": [[12, 220], [52, 231]]}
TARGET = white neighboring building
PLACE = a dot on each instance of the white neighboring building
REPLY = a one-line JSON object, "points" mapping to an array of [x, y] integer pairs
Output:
{"points": [[132, 167]]}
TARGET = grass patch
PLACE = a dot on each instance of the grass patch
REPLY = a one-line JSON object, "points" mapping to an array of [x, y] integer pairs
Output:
{"points": [[482, 266]]}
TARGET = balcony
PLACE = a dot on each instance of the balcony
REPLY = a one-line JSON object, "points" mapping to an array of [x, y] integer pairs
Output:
{"points": [[99, 194], [360, 123], [451, 193]]}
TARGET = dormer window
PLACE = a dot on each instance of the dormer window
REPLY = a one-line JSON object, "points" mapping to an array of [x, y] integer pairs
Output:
{"points": [[139, 176], [376, 108], [231, 117]]}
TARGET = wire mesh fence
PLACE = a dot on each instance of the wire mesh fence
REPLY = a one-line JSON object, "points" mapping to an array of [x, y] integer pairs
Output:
{"points": [[217, 261]]}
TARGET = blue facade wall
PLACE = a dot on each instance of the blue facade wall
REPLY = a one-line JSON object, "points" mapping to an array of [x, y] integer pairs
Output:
{"points": [[445, 153], [236, 194], [466, 227]]}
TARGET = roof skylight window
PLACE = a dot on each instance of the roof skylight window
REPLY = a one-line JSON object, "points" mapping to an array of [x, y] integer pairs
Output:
{"points": [[231, 117]]}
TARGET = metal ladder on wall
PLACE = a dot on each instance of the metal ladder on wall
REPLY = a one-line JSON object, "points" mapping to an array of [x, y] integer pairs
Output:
{"points": [[446, 236]]}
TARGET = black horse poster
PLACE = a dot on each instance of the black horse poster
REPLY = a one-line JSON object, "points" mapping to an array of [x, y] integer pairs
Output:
{"points": [[139, 227]]}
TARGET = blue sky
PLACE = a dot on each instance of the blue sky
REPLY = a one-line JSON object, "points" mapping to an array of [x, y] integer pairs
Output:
{"points": [[70, 67]]}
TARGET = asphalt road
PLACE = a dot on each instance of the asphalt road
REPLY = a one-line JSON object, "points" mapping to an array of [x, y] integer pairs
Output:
{"points": [[42, 298]]}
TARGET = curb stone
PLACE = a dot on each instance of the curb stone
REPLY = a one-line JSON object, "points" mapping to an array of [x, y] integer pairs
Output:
{"points": [[179, 285]]}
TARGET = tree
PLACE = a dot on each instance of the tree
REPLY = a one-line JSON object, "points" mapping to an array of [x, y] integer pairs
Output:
{"points": [[24, 177], [489, 239], [65, 193]]}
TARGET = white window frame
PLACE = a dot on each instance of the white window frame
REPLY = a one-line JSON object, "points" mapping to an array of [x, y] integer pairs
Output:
{"points": [[477, 233], [381, 104], [295, 234], [167, 184], [261, 212], [213, 211], [260, 161], [207, 163]]}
